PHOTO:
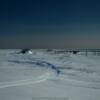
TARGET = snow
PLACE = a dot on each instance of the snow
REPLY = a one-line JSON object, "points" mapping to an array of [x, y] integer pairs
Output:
{"points": [[49, 75]]}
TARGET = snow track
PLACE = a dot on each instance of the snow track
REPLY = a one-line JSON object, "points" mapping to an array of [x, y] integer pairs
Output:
{"points": [[25, 82], [77, 83]]}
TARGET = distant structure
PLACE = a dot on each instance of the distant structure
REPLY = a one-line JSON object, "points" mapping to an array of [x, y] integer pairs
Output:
{"points": [[27, 50], [49, 50], [75, 52]]}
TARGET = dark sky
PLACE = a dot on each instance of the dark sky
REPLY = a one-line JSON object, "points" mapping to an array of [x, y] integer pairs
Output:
{"points": [[50, 23]]}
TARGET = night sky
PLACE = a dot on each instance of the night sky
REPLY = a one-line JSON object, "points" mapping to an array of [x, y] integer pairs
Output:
{"points": [[50, 23]]}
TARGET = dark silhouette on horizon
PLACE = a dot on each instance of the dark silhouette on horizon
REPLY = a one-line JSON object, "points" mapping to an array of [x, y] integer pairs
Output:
{"points": [[23, 51]]}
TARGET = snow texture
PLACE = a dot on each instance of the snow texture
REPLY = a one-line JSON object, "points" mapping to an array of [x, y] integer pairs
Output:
{"points": [[49, 75]]}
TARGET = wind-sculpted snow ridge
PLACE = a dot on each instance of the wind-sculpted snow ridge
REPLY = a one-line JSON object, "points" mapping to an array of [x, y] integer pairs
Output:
{"points": [[38, 63]]}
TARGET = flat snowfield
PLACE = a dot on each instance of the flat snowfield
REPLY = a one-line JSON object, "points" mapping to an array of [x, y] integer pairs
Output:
{"points": [[49, 75]]}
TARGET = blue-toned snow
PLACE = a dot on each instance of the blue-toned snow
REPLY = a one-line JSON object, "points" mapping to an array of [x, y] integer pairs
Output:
{"points": [[49, 74]]}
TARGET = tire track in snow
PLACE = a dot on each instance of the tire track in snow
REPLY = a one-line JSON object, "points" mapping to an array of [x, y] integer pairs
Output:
{"points": [[25, 82], [76, 83]]}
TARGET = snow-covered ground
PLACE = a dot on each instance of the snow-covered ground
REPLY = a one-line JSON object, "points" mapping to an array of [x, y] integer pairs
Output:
{"points": [[49, 75]]}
